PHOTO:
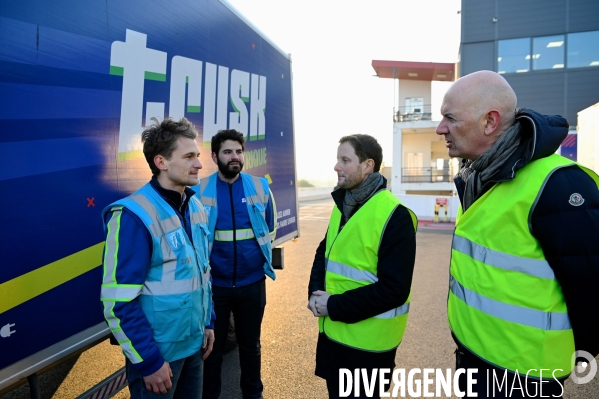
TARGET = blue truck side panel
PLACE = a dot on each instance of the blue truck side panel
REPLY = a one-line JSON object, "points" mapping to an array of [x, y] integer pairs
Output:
{"points": [[60, 121]]}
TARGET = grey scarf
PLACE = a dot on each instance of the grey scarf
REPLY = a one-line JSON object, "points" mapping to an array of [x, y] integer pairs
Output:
{"points": [[476, 173], [358, 196]]}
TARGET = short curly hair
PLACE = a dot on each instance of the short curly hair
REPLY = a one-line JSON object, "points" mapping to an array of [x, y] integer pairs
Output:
{"points": [[224, 135], [161, 139]]}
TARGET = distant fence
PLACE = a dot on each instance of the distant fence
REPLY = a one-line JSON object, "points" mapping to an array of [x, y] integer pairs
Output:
{"points": [[426, 175], [413, 113], [422, 205], [313, 193]]}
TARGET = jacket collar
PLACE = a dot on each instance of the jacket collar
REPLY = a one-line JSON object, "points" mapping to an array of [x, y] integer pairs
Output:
{"points": [[541, 136], [174, 198]]}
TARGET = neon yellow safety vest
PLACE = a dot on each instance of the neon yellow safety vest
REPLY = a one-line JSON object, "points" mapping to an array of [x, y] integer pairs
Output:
{"points": [[505, 304], [351, 262]]}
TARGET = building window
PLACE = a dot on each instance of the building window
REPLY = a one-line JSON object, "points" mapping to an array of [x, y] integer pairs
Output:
{"points": [[547, 52], [583, 50], [514, 56], [414, 105]]}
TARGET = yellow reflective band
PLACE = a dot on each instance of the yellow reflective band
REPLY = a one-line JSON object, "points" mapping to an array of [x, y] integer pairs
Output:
{"points": [[29, 285]]}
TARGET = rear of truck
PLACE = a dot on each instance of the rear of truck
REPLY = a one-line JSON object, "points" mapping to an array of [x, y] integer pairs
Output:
{"points": [[79, 80]]}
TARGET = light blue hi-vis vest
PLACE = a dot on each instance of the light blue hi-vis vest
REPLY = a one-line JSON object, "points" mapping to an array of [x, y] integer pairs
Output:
{"points": [[176, 296], [257, 195]]}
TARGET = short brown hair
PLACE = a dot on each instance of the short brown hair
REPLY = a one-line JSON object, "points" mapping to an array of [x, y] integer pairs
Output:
{"points": [[161, 139], [366, 147]]}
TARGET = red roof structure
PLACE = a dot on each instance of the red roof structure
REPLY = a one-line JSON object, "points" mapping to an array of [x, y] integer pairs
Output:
{"points": [[408, 70]]}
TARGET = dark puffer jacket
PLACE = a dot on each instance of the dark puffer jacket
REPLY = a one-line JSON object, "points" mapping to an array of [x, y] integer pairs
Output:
{"points": [[568, 234]]}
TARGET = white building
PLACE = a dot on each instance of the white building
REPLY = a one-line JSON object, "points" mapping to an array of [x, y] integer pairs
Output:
{"points": [[588, 137], [420, 162]]}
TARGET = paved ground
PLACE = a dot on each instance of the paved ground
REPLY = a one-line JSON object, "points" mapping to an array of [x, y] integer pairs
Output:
{"points": [[290, 331]]}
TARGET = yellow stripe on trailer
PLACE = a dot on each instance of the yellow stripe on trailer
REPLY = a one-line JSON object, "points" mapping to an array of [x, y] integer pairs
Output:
{"points": [[29, 285]]}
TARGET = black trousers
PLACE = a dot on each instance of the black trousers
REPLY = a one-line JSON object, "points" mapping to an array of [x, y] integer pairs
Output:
{"points": [[332, 356], [247, 304], [489, 379]]}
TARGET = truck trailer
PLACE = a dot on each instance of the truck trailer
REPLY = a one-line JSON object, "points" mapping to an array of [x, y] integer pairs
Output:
{"points": [[79, 81]]}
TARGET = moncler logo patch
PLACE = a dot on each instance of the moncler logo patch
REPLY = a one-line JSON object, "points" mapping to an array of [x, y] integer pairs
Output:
{"points": [[576, 199]]}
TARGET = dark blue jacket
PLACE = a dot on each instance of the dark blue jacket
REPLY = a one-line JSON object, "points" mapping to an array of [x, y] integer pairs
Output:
{"points": [[236, 263], [568, 234]]}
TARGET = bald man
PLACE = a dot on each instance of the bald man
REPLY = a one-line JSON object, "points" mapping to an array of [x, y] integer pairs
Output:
{"points": [[522, 303]]}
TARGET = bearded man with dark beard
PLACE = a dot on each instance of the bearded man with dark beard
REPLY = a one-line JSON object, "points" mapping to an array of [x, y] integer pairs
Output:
{"points": [[241, 218]]}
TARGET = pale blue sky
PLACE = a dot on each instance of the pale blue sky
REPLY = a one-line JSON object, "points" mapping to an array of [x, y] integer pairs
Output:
{"points": [[333, 43]]}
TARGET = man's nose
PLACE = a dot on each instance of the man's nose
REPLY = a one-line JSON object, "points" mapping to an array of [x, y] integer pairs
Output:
{"points": [[441, 129], [336, 168], [198, 164]]}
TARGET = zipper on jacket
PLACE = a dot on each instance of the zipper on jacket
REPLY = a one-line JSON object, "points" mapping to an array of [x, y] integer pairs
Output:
{"points": [[234, 235], [183, 213]]}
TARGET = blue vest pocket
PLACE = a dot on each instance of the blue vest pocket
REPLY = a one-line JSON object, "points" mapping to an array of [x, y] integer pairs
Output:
{"points": [[258, 223], [172, 317]]}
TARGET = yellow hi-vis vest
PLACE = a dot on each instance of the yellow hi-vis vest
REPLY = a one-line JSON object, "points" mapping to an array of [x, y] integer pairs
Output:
{"points": [[351, 262], [505, 304]]}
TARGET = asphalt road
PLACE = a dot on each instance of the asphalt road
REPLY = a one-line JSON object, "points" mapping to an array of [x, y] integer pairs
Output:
{"points": [[289, 330]]}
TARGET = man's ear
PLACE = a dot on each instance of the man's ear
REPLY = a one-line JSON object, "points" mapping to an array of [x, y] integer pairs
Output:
{"points": [[492, 120], [214, 159], [160, 162], [369, 166]]}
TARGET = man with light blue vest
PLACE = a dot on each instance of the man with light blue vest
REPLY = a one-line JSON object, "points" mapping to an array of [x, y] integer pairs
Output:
{"points": [[241, 216], [522, 303], [156, 282]]}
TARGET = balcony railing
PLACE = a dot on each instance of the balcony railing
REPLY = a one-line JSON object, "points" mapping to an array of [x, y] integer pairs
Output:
{"points": [[426, 175], [413, 113]]}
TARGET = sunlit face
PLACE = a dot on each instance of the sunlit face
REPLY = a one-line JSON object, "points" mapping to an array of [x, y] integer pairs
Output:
{"points": [[462, 127], [230, 158], [182, 169], [350, 171]]}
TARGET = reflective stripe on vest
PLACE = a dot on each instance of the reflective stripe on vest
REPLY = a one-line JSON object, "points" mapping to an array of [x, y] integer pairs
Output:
{"points": [[351, 262], [512, 313], [120, 292], [227, 235], [505, 304], [399, 311], [351, 272], [533, 267], [361, 275]]}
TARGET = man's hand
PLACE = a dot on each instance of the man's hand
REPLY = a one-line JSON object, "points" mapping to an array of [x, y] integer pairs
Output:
{"points": [[322, 297], [208, 342], [312, 305], [160, 381]]}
